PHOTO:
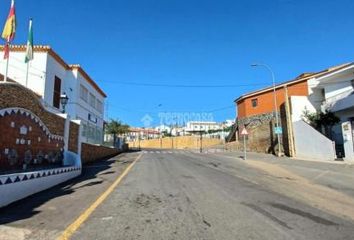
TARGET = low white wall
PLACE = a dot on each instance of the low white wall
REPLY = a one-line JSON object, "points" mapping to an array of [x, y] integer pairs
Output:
{"points": [[311, 144], [14, 187]]}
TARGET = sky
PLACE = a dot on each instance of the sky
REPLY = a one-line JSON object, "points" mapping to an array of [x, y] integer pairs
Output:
{"points": [[126, 45]]}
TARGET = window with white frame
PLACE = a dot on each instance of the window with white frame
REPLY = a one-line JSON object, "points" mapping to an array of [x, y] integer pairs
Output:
{"points": [[83, 93], [92, 100]]}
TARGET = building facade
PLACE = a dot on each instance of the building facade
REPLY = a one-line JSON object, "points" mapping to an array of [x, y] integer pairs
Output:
{"points": [[329, 90], [195, 126], [50, 76]]}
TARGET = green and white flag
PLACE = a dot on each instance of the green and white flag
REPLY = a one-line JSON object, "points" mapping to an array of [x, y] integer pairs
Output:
{"points": [[29, 49]]}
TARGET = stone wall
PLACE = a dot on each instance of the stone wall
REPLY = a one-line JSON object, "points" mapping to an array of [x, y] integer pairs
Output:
{"points": [[261, 136], [15, 95], [29, 133], [32, 138], [91, 153], [74, 134], [22, 135]]}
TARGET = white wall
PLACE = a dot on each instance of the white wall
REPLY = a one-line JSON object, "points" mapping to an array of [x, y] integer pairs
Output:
{"points": [[310, 144], [83, 109], [18, 68], [15, 191], [298, 106], [202, 126], [67, 84], [43, 69]]}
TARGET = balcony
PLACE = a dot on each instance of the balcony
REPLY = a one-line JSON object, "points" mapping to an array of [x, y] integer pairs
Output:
{"points": [[339, 102]]}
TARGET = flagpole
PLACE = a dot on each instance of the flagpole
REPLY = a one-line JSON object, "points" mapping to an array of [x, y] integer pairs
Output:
{"points": [[29, 49], [7, 65], [27, 74], [9, 34]]}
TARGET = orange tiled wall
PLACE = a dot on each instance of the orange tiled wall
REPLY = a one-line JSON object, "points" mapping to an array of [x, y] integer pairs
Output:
{"points": [[266, 100]]}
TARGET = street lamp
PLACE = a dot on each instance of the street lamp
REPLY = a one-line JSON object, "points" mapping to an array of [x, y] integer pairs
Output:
{"points": [[277, 128], [64, 100]]}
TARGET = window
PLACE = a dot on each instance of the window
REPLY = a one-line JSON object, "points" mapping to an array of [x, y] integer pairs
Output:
{"points": [[254, 102], [56, 93], [84, 130], [92, 100], [83, 93], [99, 106]]}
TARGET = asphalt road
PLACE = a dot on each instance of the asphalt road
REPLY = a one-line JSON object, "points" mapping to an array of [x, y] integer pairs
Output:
{"points": [[184, 195]]}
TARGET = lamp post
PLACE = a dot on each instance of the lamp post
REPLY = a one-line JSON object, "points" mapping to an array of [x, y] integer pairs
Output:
{"points": [[64, 101], [275, 103]]}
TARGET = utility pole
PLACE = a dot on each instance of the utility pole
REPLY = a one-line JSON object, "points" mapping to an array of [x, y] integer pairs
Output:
{"points": [[201, 142], [139, 141], [289, 124]]}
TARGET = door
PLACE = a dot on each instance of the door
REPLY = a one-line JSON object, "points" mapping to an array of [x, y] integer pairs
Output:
{"points": [[56, 92]]}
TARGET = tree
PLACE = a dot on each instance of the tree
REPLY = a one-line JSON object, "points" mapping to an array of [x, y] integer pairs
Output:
{"points": [[116, 128], [322, 120]]}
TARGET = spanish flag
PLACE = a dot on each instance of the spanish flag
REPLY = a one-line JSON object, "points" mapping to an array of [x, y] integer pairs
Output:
{"points": [[10, 26]]}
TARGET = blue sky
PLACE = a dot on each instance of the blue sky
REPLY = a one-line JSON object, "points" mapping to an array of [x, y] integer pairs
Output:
{"points": [[189, 42]]}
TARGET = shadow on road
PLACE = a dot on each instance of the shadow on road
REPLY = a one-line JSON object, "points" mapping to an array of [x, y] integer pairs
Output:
{"points": [[25, 208]]}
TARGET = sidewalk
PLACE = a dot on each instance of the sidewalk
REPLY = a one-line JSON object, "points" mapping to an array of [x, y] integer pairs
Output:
{"points": [[46, 215], [335, 175]]}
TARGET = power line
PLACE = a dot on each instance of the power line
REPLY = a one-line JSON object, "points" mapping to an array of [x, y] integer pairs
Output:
{"points": [[147, 111], [180, 85], [140, 84]]}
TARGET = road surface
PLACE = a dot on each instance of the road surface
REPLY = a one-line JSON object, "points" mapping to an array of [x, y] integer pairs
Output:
{"points": [[171, 194]]}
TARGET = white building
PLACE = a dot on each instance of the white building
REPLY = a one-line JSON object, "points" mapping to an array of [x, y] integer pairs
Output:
{"points": [[135, 134], [332, 90], [228, 123], [50, 76], [163, 129], [195, 126]]}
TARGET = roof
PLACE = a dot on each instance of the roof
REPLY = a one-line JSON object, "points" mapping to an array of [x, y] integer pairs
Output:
{"points": [[51, 52], [144, 130], [88, 78], [301, 78]]}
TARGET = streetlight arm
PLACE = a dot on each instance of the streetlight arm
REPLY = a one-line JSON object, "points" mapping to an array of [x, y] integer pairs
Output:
{"points": [[275, 99], [268, 68]]}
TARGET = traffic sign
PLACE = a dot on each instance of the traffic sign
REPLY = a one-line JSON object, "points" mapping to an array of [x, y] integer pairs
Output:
{"points": [[244, 131], [278, 130]]}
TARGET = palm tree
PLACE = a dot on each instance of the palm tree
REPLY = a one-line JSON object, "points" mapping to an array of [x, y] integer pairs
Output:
{"points": [[116, 128]]}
